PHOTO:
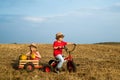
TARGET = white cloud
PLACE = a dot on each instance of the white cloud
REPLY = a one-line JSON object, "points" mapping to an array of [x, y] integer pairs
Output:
{"points": [[79, 12], [83, 11], [35, 19]]}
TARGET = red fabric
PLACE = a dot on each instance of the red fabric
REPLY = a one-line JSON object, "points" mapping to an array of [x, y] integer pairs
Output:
{"points": [[56, 44]]}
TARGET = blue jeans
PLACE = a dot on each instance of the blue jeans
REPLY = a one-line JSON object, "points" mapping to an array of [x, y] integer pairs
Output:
{"points": [[61, 61]]}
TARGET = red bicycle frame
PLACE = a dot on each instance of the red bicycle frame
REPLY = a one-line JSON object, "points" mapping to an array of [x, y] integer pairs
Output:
{"points": [[69, 58]]}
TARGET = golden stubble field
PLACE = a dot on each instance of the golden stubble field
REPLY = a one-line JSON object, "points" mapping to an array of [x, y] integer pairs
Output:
{"points": [[96, 62]]}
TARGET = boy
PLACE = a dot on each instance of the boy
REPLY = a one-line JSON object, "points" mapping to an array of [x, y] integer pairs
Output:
{"points": [[58, 45], [33, 53]]}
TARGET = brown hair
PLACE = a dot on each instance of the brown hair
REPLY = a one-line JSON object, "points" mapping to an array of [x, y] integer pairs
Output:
{"points": [[60, 36]]}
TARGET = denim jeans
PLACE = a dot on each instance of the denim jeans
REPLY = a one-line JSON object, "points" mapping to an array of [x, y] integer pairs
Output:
{"points": [[61, 61]]}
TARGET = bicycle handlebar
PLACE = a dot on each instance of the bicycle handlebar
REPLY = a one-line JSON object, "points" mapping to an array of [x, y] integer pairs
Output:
{"points": [[66, 49]]}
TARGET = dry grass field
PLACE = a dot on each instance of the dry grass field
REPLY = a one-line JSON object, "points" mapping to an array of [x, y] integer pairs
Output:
{"points": [[96, 62]]}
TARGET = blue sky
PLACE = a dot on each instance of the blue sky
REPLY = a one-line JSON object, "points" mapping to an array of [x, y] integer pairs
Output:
{"points": [[82, 21]]}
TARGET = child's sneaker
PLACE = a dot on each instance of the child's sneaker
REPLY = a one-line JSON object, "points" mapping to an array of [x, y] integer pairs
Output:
{"points": [[57, 71]]}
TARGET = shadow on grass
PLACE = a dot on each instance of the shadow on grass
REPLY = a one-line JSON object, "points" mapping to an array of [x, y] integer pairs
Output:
{"points": [[15, 64]]}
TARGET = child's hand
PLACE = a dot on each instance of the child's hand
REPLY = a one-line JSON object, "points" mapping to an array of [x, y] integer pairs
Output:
{"points": [[37, 55], [60, 47]]}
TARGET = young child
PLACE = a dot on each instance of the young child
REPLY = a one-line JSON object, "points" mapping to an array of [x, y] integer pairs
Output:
{"points": [[33, 52], [58, 45]]}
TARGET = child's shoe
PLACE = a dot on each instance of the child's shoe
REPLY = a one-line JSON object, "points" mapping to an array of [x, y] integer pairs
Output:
{"points": [[57, 70]]}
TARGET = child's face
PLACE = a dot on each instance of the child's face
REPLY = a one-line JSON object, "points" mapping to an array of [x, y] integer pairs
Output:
{"points": [[60, 39], [33, 49]]}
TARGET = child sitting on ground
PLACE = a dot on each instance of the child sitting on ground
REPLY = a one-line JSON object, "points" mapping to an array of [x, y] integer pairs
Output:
{"points": [[33, 54]]}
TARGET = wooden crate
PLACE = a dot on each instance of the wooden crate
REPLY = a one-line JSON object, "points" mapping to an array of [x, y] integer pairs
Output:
{"points": [[26, 61], [23, 62]]}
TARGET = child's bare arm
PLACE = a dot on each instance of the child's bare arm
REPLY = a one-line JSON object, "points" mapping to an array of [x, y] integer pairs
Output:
{"points": [[38, 55], [28, 54]]}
